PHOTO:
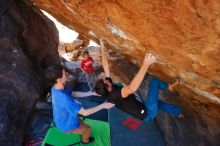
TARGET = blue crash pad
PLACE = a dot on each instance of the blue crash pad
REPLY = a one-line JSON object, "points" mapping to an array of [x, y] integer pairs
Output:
{"points": [[140, 133]]}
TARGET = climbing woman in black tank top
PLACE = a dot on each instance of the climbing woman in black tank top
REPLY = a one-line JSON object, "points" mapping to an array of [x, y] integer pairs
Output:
{"points": [[123, 97]]}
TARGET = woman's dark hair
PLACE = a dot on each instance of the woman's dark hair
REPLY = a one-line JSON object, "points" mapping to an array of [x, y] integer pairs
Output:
{"points": [[101, 88], [54, 72]]}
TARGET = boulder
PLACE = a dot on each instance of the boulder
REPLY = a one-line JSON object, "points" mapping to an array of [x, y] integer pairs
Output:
{"points": [[28, 45]]}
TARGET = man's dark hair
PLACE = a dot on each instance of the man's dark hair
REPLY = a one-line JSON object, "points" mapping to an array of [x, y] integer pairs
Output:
{"points": [[101, 88], [54, 72]]}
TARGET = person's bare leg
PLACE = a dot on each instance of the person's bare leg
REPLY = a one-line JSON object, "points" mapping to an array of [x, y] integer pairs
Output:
{"points": [[86, 134], [84, 130]]}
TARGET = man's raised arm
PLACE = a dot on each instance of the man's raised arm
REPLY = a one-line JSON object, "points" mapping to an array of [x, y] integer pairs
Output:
{"points": [[136, 81], [104, 59]]}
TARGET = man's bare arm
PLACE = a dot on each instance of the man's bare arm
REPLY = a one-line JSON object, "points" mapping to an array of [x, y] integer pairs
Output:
{"points": [[104, 59], [87, 112], [136, 81], [84, 94]]}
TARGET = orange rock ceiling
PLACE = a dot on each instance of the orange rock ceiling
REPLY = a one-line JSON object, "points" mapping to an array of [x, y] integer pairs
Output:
{"points": [[184, 35]]}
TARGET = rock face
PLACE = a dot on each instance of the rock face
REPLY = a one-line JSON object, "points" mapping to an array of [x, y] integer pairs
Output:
{"points": [[184, 35], [28, 45]]}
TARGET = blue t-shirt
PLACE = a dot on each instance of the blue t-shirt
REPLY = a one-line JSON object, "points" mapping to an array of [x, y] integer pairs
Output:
{"points": [[65, 109]]}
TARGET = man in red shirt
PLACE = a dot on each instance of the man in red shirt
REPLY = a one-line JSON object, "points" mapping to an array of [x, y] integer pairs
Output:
{"points": [[87, 68]]}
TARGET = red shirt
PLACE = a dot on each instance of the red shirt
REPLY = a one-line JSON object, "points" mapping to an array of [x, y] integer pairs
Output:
{"points": [[87, 67]]}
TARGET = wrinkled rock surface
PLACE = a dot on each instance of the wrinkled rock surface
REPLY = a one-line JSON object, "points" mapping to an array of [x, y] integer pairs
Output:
{"points": [[81, 41], [28, 45], [72, 51], [184, 35]]}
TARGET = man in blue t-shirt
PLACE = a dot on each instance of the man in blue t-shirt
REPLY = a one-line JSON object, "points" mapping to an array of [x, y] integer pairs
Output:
{"points": [[65, 109]]}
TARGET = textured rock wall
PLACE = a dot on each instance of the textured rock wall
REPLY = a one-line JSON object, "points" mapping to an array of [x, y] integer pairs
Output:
{"points": [[28, 44], [183, 34]]}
